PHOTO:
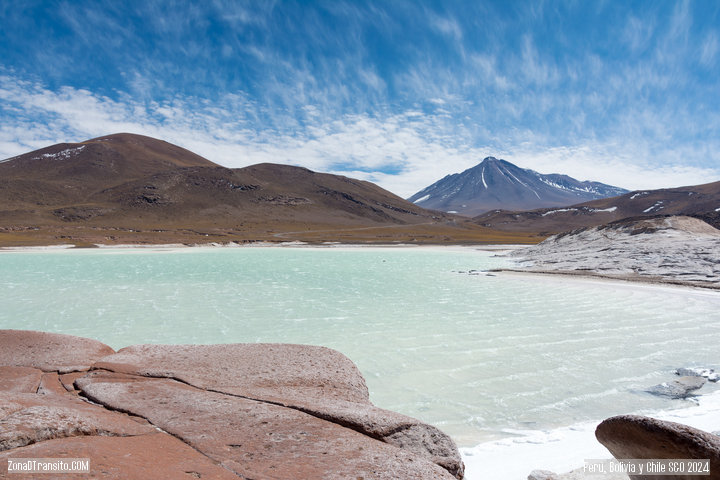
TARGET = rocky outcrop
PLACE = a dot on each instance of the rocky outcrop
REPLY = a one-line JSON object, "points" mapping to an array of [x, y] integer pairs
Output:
{"points": [[680, 388], [675, 250], [315, 380], [50, 351], [708, 373], [214, 411], [633, 436]]}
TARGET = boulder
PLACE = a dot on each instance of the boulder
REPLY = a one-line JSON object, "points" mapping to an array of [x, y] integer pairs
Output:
{"points": [[708, 373], [49, 351], [255, 439], [254, 411], [680, 388], [634, 436], [316, 380]]}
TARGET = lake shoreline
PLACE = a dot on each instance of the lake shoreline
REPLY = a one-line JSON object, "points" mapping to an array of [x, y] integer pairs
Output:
{"points": [[617, 278], [461, 276], [171, 247]]}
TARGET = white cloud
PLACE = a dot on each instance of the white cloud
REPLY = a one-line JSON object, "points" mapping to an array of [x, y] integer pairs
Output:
{"points": [[638, 33], [681, 20], [487, 67], [623, 166], [709, 49], [447, 26], [534, 67], [402, 152]]}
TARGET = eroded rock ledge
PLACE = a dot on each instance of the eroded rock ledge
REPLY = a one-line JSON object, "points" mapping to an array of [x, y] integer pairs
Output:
{"points": [[253, 411], [674, 250]]}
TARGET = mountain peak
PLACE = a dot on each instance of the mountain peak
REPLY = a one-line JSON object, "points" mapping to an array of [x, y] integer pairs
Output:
{"points": [[124, 137], [498, 184], [488, 161], [125, 153]]}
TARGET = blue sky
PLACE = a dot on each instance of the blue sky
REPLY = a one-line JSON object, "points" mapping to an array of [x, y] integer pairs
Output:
{"points": [[397, 92]]}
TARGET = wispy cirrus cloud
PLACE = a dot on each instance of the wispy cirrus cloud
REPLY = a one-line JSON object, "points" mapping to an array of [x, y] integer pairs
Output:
{"points": [[397, 93], [709, 49], [402, 152]]}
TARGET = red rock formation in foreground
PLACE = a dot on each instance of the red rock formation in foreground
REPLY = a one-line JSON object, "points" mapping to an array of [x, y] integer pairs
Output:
{"points": [[205, 411]]}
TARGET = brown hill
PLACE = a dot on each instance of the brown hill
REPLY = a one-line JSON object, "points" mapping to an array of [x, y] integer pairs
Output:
{"points": [[700, 201], [131, 188], [100, 161], [264, 193], [69, 173]]}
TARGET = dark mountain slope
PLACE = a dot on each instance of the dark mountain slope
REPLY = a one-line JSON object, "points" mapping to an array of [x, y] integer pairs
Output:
{"points": [[497, 184], [72, 172], [262, 193], [700, 201], [137, 189]]}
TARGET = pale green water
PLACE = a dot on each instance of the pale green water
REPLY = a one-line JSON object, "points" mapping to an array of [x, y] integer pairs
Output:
{"points": [[475, 355]]}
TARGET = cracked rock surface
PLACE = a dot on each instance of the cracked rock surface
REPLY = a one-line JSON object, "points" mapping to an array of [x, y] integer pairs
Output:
{"points": [[205, 411], [679, 250]]}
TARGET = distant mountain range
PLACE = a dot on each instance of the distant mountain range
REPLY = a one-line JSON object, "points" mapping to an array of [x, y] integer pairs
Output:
{"points": [[127, 188], [499, 185], [699, 201], [136, 189]]}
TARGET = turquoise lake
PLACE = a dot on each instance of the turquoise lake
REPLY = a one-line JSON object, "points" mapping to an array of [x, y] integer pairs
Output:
{"points": [[480, 356]]}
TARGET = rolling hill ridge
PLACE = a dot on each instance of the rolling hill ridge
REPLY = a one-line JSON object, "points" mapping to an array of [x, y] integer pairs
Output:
{"points": [[699, 201], [133, 188]]}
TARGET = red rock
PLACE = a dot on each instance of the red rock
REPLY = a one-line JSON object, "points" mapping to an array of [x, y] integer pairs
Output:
{"points": [[316, 380], [155, 455], [19, 379], [256, 439], [263, 411], [49, 351], [68, 380], [50, 384], [635, 436], [27, 418], [259, 368]]}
